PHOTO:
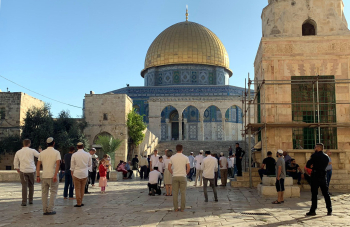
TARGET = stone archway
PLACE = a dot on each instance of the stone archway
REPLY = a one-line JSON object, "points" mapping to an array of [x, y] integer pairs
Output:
{"points": [[171, 124], [191, 118], [233, 123], [213, 124]]}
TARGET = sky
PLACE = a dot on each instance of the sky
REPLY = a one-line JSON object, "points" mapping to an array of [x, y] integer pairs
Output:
{"points": [[64, 49]]}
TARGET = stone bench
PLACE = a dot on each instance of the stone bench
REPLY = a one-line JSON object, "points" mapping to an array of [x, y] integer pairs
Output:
{"points": [[268, 188]]}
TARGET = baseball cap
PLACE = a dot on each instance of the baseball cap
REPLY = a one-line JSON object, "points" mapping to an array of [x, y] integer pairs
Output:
{"points": [[49, 140], [279, 151]]}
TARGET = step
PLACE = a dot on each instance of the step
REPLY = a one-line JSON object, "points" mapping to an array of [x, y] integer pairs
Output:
{"points": [[254, 174], [340, 171], [270, 191], [271, 181], [243, 184], [247, 178]]}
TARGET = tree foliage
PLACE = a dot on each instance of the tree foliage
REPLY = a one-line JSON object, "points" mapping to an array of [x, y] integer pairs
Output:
{"points": [[136, 127], [39, 125], [10, 144], [108, 144]]}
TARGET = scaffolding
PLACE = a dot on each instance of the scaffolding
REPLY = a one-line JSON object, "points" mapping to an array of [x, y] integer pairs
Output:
{"points": [[313, 108]]}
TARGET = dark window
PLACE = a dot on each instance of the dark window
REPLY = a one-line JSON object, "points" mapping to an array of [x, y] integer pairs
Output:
{"points": [[105, 117], [305, 109], [309, 28], [2, 113]]}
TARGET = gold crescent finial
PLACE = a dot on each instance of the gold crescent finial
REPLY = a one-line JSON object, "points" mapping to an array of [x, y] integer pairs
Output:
{"points": [[186, 12]]}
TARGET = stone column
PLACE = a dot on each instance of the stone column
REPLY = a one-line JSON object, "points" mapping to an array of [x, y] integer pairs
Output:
{"points": [[180, 128], [186, 134], [201, 130], [169, 129]]}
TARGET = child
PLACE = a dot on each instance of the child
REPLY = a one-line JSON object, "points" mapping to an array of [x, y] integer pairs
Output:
{"points": [[103, 172], [161, 167]]}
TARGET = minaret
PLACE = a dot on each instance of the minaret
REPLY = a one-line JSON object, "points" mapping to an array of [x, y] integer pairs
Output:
{"points": [[294, 18]]}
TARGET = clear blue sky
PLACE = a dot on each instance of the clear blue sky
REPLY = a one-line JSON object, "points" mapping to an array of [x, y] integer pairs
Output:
{"points": [[64, 48]]}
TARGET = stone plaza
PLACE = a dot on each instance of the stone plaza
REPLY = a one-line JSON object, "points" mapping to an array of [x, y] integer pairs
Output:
{"points": [[127, 203]]}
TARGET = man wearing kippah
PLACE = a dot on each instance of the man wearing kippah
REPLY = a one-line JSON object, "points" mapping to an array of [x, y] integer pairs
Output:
{"points": [[80, 163], [50, 160]]}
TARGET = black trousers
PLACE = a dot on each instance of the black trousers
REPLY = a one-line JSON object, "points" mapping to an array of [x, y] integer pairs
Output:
{"points": [[92, 177], [130, 173], [319, 182], [239, 166], [87, 184], [143, 172]]}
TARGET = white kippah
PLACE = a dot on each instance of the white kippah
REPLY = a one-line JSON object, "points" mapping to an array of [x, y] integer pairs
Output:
{"points": [[49, 140], [79, 144]]}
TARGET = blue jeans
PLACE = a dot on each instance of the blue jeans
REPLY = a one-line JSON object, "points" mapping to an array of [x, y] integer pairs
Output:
{"points": [[329, 176], [61, 175], [235, 170], [190, 174], [68, 182]]}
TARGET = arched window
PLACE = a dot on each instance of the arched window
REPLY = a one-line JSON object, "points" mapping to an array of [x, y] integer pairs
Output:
{"points": [[309, 28]]}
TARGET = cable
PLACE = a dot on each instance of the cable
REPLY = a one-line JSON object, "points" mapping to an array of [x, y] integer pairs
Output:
{"points": [[41, 94]]}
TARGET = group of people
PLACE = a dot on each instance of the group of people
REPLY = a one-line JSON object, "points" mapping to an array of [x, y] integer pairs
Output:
{"points": [[318, 172], [80, 171], [176, 169]]}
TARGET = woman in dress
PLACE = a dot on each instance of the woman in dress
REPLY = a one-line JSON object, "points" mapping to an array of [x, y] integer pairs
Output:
{"points": [[168, 178]]}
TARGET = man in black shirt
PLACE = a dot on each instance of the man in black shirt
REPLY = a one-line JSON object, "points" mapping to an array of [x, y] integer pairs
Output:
{"points": [[319, 160], [239, 155], [270, 164], [292, 170]]}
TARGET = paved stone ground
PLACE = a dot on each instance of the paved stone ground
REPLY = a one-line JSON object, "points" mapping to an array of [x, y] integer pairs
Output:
{"points": [[127, 204]]}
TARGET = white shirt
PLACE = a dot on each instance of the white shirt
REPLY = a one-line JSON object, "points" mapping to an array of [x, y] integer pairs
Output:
{"points": [[48, 158], [166, 162], [191, 159], [143, 162], [230, 165], [161, 166], [179, 162], [223, 161], [80, 163], [233, 160], [24, 160], [154, 159], [199, 159], [209, 165], [154, 176]]}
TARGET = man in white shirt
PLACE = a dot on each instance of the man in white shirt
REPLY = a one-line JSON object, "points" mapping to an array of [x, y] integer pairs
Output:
{"points": [[91, 171], [210, 166], [223, 169], [191, 159], [179, 167], [198, 160], [50, 159], [154, 159], [80, 164], [24, 163], [154, 177], [143, 165]]}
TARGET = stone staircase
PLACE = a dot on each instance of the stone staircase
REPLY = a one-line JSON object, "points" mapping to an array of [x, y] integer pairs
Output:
{"points": [[195, 146], [340, 181], [243, 181]]}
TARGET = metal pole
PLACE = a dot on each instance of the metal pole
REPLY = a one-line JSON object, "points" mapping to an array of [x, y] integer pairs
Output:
{"points": [[313, 106], [318, 111], [249, 138], [245, 116]]}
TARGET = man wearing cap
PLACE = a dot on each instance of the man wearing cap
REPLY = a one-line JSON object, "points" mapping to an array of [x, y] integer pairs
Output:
{"points": [[198, 162], [280, 176], [80, 163], [319, 161], [223, 169], [50, 160], [24, 163], [191, 159]]}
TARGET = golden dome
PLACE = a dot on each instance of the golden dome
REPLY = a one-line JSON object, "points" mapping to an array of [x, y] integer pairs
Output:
{"points": [[187, 43]]}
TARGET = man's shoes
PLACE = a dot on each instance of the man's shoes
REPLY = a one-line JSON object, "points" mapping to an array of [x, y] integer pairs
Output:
{"points": [[23, 205], [206, 200], [299, 183], [82, 204], [330, 193], [329, 213], [216, 200], [311, 213], [30, 203], [50, 213], [87, 193], [77, 205]]}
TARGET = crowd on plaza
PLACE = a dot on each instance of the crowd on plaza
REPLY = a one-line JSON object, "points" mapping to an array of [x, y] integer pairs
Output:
{"points": [[80, 169]]}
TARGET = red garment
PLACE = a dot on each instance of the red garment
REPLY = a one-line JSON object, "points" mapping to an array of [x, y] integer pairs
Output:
{"points": [[308, 171], [102, 170]]}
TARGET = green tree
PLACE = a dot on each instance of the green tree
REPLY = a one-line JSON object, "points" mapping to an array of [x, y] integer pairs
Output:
{"points": [[109, 145], [10, 144], [136, 127], [39, 125]]}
